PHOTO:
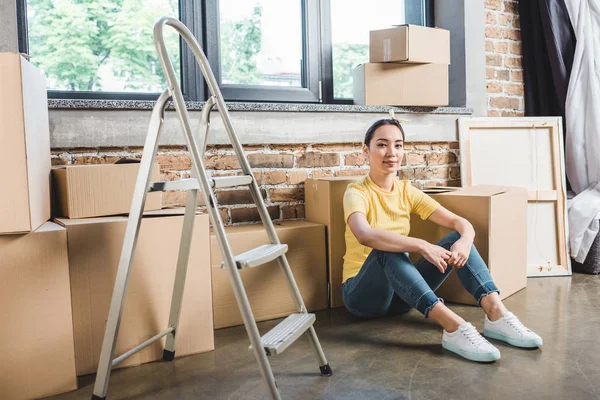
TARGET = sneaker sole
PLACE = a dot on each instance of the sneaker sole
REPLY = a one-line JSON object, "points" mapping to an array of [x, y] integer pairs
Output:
{"points": [[524, 343], [479, 357]]}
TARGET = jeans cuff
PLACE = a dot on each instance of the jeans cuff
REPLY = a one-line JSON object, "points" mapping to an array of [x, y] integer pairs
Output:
{"points": [[426, 312], [486, 294]]}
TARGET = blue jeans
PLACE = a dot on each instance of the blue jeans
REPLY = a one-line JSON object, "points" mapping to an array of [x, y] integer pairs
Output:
{"points": [[389, 283]]}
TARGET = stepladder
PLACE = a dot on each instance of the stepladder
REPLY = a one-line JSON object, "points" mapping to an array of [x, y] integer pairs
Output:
{"points": [[289, 329]]}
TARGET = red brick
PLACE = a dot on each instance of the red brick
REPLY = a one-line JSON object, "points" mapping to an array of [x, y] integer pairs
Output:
{"points": [[296, 177], [516, 76], [313, 159], [503, 74], [222, 162], [288, 147], [260, 160], [490, 17], [511, 7], [170, 199], [493, 60], [441, 158], [422, 146], [512, 114], [454, 145], [512, 34], [494, 87], [356, 159], [408, 146], [170, 176], [489, 73], [287, 194], [505, 102], [516, 22], [250, 214], [320, 173], [512, 62], [493, 32], [407, 174], [224, 215], [513, 89], [253, 147], [515, 48], [504, 19], [258, 177], [501, 47], [489, 46], [493, 113], [336, 147], [352, 172], [415, 159], [79, 160], [58, 161], [295, 211], [274, 177], [174, 161], [493, 4], [454, 173], [233, 197]]}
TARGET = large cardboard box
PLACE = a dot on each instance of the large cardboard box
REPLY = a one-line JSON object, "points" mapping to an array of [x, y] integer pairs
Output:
{"points": [[25, 144], [83, 191], [324, 203], [94, 250], [265, 285], [499, 216], [410, 44], [389, 84], [36, 339]]}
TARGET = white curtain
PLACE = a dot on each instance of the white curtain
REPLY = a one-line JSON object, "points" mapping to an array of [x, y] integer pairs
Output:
{"points": [[583, 127]]}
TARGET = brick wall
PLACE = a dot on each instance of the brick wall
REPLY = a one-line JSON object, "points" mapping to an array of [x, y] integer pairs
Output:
{"points": [[282, 169], [504, 70]]}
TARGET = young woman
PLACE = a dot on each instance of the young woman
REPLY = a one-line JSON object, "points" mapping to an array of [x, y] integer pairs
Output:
{"points": [[379, 278]]}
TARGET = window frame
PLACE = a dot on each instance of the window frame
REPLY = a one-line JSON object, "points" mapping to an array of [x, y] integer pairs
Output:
{"points": [[201, 17]]}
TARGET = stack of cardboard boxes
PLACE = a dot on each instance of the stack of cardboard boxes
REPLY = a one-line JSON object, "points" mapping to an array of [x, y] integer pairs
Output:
{"points": [[57, 277], [408, 66]]}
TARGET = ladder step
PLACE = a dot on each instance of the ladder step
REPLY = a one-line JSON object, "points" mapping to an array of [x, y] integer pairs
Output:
{"points": [[259, 256], [183, 184], [286, 332], [230, 181]]}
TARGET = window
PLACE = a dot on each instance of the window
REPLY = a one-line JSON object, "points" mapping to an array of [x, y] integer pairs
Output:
{"points": [[259, 50]]}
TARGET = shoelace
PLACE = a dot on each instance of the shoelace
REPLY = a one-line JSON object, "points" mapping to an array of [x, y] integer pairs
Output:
{"points": [[516, 324], [474, 337]]}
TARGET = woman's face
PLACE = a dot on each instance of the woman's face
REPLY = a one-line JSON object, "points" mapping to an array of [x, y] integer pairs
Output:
{"points": [[386, 149]]}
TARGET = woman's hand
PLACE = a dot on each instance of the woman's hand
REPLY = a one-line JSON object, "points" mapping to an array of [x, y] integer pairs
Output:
{"points": [[460, 252], [436, 255]]}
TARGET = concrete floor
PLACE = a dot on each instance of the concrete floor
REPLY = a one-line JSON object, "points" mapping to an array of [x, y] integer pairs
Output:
{"points": [[396, 358]]}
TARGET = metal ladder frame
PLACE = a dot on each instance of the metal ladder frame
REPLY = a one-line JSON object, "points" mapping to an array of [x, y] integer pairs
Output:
{"points": [[199, 181]]}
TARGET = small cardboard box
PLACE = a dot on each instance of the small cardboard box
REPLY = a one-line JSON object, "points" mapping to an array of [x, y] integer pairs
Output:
{"points": [[389, 84], [84, 191], [410, 44], [499, 216], [324, 202], [36, 341], [265, 285], [94, 251], [25, 144]]}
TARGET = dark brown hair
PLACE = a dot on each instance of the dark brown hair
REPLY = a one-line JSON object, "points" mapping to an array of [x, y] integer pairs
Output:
{"points": [[382, 122]]}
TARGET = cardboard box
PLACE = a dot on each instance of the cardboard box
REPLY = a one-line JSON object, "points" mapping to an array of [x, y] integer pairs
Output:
{"points": [[388, 84], [265, 285], [410, 44], [83, 191], [36, 339], [94, 251], [499, 216], [324, 203], [25, 144]]}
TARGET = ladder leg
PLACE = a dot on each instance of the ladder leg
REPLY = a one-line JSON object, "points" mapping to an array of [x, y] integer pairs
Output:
{"points": [[129, 242], [180, 275]]}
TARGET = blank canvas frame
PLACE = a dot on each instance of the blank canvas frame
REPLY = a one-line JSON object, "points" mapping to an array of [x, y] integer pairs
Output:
{"points": [[524, 152]]}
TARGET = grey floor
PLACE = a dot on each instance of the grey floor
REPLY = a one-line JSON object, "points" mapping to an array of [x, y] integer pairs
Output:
{"points": [[396, 358]]}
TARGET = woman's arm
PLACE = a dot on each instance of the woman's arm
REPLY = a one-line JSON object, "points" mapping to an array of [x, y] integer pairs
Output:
{"points": [[462, 248], [387, 241]]}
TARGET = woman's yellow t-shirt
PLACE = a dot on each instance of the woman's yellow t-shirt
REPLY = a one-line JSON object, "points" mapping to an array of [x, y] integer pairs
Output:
{"points": [[389, 211]]}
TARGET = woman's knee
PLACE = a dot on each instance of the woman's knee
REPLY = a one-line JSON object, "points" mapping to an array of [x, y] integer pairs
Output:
{"points": [[449, 239]]}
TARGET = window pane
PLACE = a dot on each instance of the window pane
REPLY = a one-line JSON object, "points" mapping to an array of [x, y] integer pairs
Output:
{"points": [[351, 21], [261, 42], [100, 45]]}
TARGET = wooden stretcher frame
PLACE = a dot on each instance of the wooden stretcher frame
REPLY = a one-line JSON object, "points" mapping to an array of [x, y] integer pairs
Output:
{"points": [[531, 127]]}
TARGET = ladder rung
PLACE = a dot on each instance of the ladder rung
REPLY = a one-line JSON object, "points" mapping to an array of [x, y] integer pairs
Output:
{"points": [[286, 332], [183, 184], [230, 181], [259, 256]]}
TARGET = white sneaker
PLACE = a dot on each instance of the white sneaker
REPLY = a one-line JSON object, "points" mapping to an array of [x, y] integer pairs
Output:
{"points": [[468, 343], [510, 330]]}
